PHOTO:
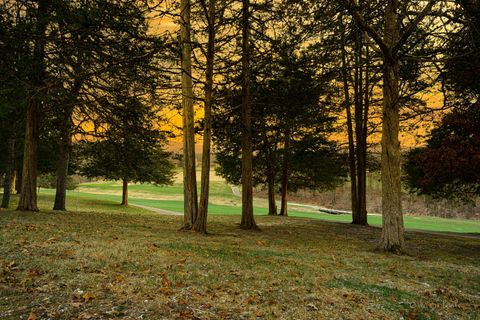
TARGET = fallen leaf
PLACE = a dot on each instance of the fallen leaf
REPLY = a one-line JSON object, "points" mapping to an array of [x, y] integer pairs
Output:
{"points": [[31, 227], [69, 252], [88, 296], [32, 316], [32, 273]]}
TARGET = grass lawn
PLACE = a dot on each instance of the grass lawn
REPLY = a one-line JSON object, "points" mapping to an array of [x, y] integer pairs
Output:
{"points": [[225, 203], [104, 261]]}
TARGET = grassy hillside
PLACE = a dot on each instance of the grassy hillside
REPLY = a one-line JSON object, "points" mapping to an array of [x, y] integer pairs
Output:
{"points": [[104, 261]]}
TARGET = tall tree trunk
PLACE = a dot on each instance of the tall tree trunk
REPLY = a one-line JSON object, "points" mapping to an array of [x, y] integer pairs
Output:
{"points": [[285, 173], [272, 205], [28, 194], [63, 160], [124, 192], [393, 230], [362, 193], [189, 168], [9, 173], [248, 220], [351, 143], [360, 216], [200, 224]]}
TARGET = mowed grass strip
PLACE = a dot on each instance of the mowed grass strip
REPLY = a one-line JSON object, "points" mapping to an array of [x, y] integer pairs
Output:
{"points": [[131, 263], [232, 206]]}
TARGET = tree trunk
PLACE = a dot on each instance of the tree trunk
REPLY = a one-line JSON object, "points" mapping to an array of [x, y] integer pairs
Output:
{"points": [[351, 144], [62, 176], [189, 169], [9, 173], [28, 194], [248, 220], [360, 214], [393, 230], [13, 184], [124, 192], [200, 224], [63, 161], [285, 173], [272, 205], [18, 181], [362, 181]]}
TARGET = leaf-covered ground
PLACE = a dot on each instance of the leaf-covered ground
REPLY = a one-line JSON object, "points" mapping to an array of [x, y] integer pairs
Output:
{"points": [[107, 262]]}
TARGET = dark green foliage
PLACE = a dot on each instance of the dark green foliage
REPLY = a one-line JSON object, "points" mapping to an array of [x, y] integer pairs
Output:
{"points": [[130, 147], [287, 104], [463, 66]]}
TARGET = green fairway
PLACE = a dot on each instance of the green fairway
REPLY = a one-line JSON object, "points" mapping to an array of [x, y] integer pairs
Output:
{"points": [[111, 191]]}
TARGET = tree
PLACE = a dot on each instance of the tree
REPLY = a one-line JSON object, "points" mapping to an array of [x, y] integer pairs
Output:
{"points": [[448, 166], [131, 148], [89, 43], [28, 194], [200, 224], [13, 58], [98, 43], [390, 44], [289, 131], [248, 220], [189, 168]]}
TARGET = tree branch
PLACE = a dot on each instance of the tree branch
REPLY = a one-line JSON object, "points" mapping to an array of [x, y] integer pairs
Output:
{"points": [[409, 30], [352, 8]]}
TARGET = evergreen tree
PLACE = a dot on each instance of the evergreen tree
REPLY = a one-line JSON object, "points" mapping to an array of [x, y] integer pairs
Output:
{"points": [[130, 148]]}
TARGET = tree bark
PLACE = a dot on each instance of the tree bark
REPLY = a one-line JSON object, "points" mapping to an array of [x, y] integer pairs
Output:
{"points": [[14, 181], [272, 205], [9, 173], [393, 229], [390, 45], [285, 173], [18, 181], [360, 216], [363, 139], [189, 168], [351, 143], [124, 192], [248, 220], [28, 194], [63, 161], [200, 224]]}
